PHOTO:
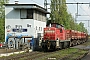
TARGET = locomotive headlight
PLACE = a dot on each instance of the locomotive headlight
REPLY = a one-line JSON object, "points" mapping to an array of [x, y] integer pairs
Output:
{"points": [[53, 31]]}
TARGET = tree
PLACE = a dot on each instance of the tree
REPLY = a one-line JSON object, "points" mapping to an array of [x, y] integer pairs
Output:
{"points": [[82, 27], [59, 14], [2, 19], [58, 11]]}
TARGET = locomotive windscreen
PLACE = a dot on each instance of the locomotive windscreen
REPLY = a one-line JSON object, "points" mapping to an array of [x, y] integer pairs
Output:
{"points": [[56, 25]]}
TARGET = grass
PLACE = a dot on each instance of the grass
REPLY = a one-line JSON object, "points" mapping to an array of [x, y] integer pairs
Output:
{"points": [[75, 53]]}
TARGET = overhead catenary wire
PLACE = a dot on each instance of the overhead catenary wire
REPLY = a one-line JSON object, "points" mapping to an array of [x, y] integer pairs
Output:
{"points": [[84, 15], [73, 8], [83, 10]]}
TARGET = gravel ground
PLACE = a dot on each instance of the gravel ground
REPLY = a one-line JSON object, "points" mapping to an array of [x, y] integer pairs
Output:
{"points": [[87, 57], [7, 50]]}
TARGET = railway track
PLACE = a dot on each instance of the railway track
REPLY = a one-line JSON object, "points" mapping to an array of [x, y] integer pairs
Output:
{"points": [[36, 55], [27, 56]]}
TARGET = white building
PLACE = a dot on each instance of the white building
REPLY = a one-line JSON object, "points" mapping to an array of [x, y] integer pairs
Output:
{"points": [[23, 20]]}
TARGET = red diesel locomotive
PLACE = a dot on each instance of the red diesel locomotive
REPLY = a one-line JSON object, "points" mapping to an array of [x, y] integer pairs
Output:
{"points": [[57, 37]]}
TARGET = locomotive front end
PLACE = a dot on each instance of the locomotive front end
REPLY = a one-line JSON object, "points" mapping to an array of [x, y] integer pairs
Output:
{"points": [[48, 41]]}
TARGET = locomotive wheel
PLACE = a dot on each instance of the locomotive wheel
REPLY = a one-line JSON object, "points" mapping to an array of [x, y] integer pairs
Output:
{"points": [[45, 48], [72, 45], [68, 44], [61, 45], [53, 46]]}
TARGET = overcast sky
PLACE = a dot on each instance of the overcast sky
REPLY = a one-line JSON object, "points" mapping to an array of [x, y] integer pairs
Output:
{"points": [[72, 8]]}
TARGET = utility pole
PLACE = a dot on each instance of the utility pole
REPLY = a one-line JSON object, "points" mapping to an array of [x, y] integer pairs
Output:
{"points": [[45, 4], [77, 10]]}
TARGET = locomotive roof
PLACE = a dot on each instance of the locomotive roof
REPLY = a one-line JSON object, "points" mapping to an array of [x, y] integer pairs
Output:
{"points": [[58, 24]]}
